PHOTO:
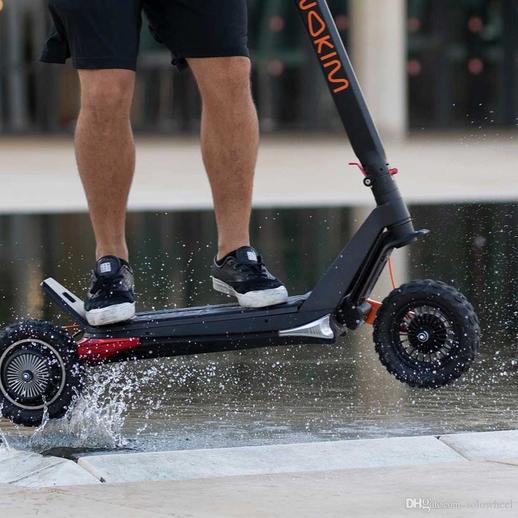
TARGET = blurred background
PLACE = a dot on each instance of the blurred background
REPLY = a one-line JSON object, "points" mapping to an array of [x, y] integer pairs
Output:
{"points": [[459, 68], [441, 78]]}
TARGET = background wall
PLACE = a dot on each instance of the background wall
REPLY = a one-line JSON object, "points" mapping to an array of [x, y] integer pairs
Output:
{"points": [[423, 64]]}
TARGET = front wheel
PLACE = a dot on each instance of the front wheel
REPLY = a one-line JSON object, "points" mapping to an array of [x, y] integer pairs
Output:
{"points": [[427, 334], [39, 372]]}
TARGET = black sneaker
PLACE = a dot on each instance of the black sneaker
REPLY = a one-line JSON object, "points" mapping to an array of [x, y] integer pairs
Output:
{"points": [[110, 298], [242, 274]]}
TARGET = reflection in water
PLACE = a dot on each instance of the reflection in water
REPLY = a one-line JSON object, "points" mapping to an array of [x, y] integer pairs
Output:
{"points": [[271, 395]]}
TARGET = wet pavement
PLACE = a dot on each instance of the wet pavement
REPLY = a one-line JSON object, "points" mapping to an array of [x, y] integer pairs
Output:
{"points": [[266, 396]]}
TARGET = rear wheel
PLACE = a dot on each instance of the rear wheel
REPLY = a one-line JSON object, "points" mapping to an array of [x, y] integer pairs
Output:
{"points": [[39, 372], [427, 334]]}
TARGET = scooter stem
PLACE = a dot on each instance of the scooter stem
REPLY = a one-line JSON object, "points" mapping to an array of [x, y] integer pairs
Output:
{"points": [[348, 97]]}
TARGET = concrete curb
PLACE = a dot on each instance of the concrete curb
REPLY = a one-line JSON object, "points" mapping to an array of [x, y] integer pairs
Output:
{"points": [[261, 460], [26, 469], [485, 446], [18, 468]]}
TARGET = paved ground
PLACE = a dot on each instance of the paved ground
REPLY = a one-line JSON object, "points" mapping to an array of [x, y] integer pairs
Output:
{"points": [[293, 170], [462, 475], [453, 490]]}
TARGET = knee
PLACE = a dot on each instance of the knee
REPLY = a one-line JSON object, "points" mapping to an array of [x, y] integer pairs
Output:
{"points": [[229, 81], [237, 73], [106, 95]]}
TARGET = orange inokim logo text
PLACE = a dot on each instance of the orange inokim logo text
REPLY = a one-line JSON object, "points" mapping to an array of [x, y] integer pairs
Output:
{"points": [[324, 46]]}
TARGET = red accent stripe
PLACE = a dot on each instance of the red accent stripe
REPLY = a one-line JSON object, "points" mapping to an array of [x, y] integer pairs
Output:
{"points": [[100, 349]]}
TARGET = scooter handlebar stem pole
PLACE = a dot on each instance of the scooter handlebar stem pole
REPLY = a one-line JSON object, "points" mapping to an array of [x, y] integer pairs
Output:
{"points": [[348, 97]]}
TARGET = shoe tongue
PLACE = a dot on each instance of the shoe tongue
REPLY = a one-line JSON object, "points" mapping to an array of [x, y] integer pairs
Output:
{"points": [[246, 254], [108, 266]]}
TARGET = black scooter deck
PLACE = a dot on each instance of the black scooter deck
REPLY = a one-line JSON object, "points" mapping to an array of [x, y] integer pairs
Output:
{"points": [[223, 320], [218, 320]]}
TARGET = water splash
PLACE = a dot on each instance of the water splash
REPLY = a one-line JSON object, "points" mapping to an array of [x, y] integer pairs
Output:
{"points": [[4, 443], [97, 416]]}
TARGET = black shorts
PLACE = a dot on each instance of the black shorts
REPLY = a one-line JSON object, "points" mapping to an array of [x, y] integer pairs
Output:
{"points": [[101, 34]]}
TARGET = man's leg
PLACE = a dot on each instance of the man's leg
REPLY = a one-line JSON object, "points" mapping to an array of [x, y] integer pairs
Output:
{"points": [[105, 154], [230, 135]]}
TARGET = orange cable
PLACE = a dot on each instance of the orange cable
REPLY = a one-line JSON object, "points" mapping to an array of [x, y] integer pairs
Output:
{"points": [[391, 272]]}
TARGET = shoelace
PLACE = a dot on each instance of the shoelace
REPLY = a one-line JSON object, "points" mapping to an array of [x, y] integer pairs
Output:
{"points": [[254, 268], [105, 285]]}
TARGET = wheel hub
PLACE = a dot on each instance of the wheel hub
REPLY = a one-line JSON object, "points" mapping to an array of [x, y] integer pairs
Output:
{"points": [[423, 337], [27, 375], [32, 374], [426, 334]]}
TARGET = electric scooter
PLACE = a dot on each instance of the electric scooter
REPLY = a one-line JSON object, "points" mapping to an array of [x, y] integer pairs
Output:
{"points": [[426, 333]]}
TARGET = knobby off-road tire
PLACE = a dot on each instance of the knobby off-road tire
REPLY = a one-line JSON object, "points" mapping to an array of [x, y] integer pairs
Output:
{"points": [[427, 334]]}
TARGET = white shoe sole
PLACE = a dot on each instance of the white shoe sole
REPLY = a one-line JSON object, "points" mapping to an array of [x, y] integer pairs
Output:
{"points": [[111, 314], [253, 299]]}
